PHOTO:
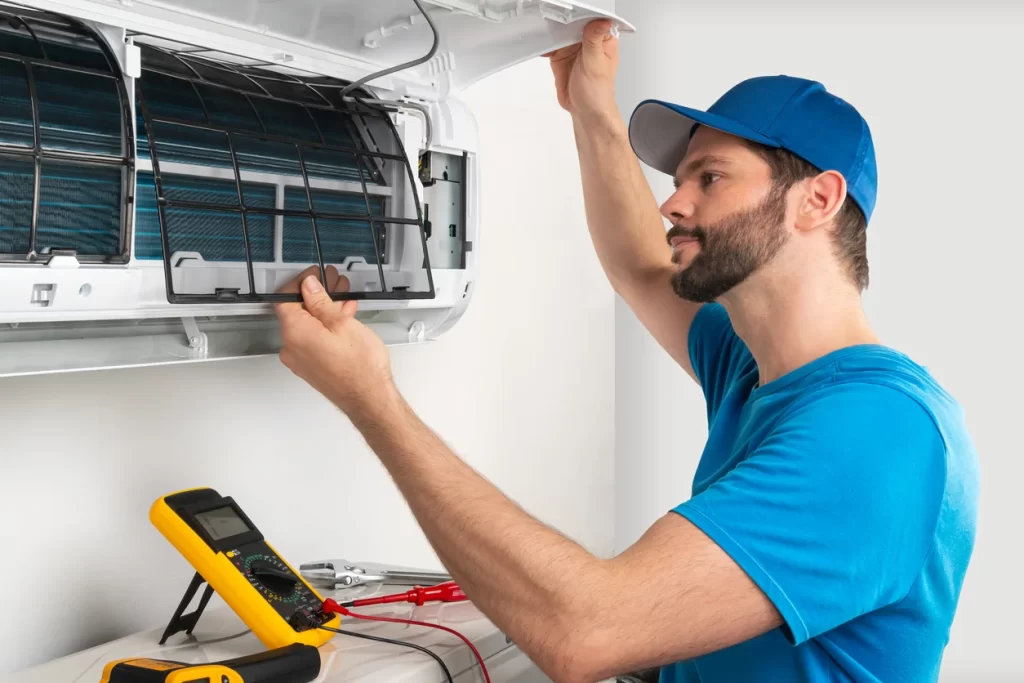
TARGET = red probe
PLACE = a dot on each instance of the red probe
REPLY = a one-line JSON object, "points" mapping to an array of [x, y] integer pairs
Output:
{"points": [[442, 592]]}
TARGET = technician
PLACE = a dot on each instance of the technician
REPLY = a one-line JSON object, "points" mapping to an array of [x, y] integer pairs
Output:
{"points": [[833, 511]]}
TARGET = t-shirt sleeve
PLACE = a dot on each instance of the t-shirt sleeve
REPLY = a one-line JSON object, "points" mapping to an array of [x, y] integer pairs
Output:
{"points": [[834, 513], [717, 354]]}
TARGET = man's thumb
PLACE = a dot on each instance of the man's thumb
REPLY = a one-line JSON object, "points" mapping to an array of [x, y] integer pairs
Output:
{"points": [[595, 32], [318, 302]]}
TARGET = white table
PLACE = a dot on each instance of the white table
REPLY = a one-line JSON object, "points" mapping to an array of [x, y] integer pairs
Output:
{"points": [[221, 635]]}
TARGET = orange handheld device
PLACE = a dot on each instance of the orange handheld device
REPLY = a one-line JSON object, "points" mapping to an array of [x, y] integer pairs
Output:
{"points": [[230, 554], [292, 664]]}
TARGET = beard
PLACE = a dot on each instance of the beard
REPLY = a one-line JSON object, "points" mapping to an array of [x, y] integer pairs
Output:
{"points": [[731, 250]]}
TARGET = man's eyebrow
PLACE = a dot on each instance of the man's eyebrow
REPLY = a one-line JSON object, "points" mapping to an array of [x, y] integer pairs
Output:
{"points": [[698, 165]]}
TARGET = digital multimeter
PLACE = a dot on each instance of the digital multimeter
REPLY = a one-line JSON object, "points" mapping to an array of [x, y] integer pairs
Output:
{"points": [[231, 555]]}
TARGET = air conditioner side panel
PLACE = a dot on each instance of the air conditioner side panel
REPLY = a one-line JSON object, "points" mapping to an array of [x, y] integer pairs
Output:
{"points": [[457, 131]]}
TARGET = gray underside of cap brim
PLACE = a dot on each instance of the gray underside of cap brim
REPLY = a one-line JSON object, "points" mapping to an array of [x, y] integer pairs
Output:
{"points": [[659, 136]]}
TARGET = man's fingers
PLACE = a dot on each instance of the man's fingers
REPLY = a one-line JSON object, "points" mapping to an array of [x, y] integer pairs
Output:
{"points": [[335, 281], [284, 311], [561, 52], [564, 53], [340, 283], [319, 303], [349, 308], [595, 33], [289, 309]]}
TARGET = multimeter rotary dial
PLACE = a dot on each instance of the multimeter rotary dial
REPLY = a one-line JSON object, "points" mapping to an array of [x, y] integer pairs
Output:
{"points": [[273, 577]]}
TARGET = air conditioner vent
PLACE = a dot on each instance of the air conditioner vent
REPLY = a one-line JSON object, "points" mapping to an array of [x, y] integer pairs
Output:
{"points": [[66, 142]]}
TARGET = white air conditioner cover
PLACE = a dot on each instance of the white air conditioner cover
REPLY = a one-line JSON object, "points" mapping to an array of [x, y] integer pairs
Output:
{"points": [[106, 305]]}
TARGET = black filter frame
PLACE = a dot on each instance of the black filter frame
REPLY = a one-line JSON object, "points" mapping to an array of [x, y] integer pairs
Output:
{"points": [[189, 56], [17, 14]]}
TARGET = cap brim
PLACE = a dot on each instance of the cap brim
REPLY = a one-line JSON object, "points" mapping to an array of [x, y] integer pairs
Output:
{"points": [[659, 132]]}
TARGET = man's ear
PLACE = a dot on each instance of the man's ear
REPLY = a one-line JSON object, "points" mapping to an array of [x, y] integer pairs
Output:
{"points": [[822, 198]]}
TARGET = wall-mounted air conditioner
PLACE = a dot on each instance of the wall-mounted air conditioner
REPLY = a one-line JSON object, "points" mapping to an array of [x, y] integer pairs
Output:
{"points": [[166, 168]]}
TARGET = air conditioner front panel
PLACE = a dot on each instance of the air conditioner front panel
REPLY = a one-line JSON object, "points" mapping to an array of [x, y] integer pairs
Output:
{"points": [[351, 38]]}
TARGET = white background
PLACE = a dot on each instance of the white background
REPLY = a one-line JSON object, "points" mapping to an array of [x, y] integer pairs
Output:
{"points": [[522, 387], [941, 89]]}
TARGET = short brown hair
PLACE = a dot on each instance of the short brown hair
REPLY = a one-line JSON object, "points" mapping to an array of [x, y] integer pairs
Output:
{"points": [[849, 237]]}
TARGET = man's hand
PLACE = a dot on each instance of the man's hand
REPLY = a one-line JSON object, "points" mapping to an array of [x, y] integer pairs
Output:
{"points": [[585, 72], [332, 351], [335, 281]]}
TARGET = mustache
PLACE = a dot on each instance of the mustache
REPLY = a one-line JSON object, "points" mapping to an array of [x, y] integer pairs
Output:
{"points": [[698, 233]]}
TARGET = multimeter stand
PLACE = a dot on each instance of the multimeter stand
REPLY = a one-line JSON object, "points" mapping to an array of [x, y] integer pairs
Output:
{"points": [[186, 622]]}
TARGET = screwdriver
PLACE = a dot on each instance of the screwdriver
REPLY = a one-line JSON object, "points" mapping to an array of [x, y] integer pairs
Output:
{"points": [[448, 591]]}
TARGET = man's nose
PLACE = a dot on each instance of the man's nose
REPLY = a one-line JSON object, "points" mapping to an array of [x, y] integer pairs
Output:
{"points": [[678, 207]]}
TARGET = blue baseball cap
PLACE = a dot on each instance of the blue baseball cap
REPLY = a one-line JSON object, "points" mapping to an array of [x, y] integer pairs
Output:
{"points": [[795, 114]]}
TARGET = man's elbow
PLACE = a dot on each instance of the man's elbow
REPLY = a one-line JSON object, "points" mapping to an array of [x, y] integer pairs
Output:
{"points": [[584, 652]]}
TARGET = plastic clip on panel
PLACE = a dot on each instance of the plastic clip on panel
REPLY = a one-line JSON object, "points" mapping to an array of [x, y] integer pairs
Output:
{"points": [[197, 340]]}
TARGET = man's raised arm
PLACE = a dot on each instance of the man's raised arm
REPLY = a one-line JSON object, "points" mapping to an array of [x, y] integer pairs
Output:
{"points": [[622, 213]]}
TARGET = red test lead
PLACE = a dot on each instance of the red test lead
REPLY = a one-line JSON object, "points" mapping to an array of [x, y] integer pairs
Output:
{"points": [[442, 592]]}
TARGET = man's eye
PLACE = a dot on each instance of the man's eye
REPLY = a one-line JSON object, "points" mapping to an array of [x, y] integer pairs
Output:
{"points": [[707, 178]]}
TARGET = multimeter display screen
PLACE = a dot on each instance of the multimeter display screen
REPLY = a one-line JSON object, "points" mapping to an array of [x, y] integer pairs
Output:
{"points": [[222, 523]]}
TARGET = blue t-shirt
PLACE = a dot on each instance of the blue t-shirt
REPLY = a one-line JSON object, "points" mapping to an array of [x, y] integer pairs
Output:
{"points": [[847, 490]]}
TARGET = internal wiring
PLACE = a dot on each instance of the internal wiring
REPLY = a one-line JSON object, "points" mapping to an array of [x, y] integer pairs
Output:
{"points": [[397, 104], [416, 62], [389, 641]]}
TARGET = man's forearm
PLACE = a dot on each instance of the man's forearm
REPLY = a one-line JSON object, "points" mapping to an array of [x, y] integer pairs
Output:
{"points": [[529, 579], [622, 212]]}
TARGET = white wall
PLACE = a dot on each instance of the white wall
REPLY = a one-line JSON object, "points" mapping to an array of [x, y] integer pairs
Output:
{"points": [[941, 90], [522, 387]]}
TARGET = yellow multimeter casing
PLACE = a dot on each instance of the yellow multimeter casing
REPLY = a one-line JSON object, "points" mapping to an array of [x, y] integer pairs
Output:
{"points": [[230, 554], [295, 663], [157, 671]]}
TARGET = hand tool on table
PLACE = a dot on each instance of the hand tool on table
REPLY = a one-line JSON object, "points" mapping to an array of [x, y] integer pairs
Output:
{"points": [[339, 574]]}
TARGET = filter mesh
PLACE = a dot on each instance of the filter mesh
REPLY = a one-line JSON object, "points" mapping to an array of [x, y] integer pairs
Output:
{"points": [[62, 106]]}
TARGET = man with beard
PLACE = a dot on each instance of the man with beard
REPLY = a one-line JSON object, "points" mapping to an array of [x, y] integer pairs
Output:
{"points": [[832, 514]]}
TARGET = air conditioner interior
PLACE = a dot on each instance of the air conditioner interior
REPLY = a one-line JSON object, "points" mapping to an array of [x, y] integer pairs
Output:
{"points": [[157, 195], [238, 174]]}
